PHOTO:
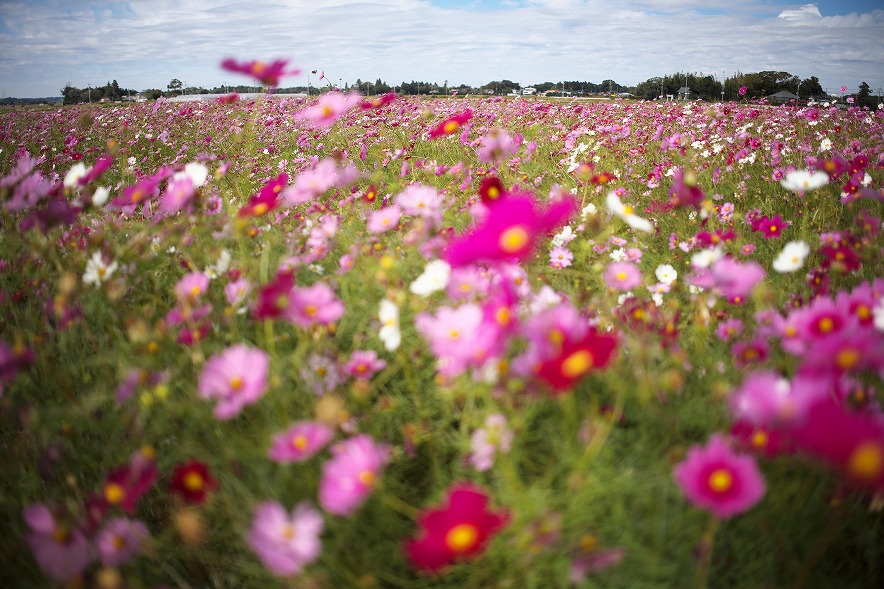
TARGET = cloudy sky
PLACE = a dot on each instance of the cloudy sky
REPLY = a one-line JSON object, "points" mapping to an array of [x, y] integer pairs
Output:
{"points": [[145, 43]]}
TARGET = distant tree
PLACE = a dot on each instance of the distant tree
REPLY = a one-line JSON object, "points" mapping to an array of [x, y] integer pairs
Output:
{"points": [[152, 94], [174, 86], [810, 87], [865, 98]]}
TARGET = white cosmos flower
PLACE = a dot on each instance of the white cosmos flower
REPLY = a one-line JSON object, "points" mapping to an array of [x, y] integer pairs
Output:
{"points": [[100, 196], [878, 313], [389, 333], [566, 235], [625, 213], [826, 144], [97, 271], [196, 172], [802, 180], [792, 257], [72, 178], [435, 277], [705, 258], [666, 273]]}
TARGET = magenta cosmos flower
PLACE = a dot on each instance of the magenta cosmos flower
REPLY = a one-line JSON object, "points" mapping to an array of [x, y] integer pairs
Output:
{"points": [[268, 73], [510, 230], [315, 304], [300, 442], [350, 475], [236, 377], [286, 543], [719, 480]]}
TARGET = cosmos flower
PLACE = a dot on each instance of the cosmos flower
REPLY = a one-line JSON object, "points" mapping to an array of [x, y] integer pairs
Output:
{"points": [[719, 480], [626, 213], [267, 198], [192, 481], [459, 530], [622, 276], [363, 364], [434, 277], [285, 542], [351, 474], [792, 257], [510, 230], [330, 107], [451, 125], [236, 377], [120, 540], [267, 74], [60, 549], [487, 441], [803, 180], [97, 270], [300, 442], [389, 318]]}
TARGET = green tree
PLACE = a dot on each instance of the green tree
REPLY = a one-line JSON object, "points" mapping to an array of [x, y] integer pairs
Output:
{"points": [[175, 86], [810, 88]]}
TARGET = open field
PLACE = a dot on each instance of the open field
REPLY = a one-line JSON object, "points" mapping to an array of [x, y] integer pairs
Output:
{"points": [[476, 342]]}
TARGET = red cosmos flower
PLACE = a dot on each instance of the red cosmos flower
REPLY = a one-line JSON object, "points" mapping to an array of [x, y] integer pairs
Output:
{"points": [[267, 198], [451, 125], [603, 178], [509, 231], [125, 485], [379, 101], [370, 194], [275, 298], [459, 530], [842, 256], [490, 189], [192, 481], [576, 359], [268, 74]]}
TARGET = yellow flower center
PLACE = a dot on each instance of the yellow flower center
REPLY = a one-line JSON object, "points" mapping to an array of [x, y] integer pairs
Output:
{"points": [[114, 493], [193, 481], [627, 210], [299, 442], [493, 192], [327, 111], [310, 310], [760, 439], [513, 239], [503, 316], [461, 538], [847, 358], [367, 478], [454, 334], [236, 383], [260, 208], [826, 325], [450, 127], [621, 276], [288, 531], [577, 364], [866, 461], [863, 312], [721, 480]]}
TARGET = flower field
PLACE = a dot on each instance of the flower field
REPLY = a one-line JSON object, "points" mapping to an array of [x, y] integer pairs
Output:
{"points": [[460, 342]]}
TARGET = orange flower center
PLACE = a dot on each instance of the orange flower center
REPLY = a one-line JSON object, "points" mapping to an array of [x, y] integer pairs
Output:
{"points": [[299, 442], [759, 439], [310, 310], [577, 364], [118, 542], [847, 358], [503, 316], [461, 538], [193, 481], [288, 531], [260, 208], [450, 127], [367, 478], [513, 239], [721, 480], [866, 461], [114, 493], [236, 383]]}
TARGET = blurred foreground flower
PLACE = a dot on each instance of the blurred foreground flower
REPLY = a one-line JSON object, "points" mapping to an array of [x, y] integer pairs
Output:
{"points": [[59, 547], [802, 180], [451, 125], [192, 482], [351, 474], [267, 74], [459, 530], [236, 377]]}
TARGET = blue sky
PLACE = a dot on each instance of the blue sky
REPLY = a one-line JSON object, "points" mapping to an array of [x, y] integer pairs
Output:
{"points": [[145, 43]]}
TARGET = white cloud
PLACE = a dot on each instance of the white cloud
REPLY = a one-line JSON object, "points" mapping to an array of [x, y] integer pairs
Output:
{"points": [[807, 11], [145, 44]]}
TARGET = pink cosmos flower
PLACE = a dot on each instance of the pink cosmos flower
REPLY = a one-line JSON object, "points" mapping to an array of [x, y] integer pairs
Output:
{"points": [[492, 439], [560, 257], [177, 195], [497, 145], [60, 549], [735, 280], [743, 90], [622, 276], [423, 201], [236, 377], [120, 541], [313, 183], [685, 191], [267, 198], [268, 74], [286, 543], [313, 305], [300, 442], [236, 291], [363, 364], [351, 474], [729, 329], [510, 230], [329, 108], [385, 219], [460, 338], [719, 480], [191, 286]]}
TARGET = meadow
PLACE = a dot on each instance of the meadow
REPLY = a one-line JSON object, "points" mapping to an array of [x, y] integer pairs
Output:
{"points": [[424, 343]]}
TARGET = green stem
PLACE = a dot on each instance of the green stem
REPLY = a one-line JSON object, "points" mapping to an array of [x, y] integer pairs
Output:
{"points": [[701, 578]]}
